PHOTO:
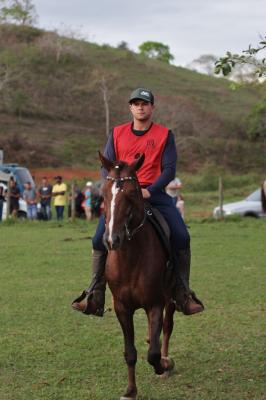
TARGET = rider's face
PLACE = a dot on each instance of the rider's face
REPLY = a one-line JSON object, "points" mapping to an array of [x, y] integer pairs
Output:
{"points": [[141, 110]]}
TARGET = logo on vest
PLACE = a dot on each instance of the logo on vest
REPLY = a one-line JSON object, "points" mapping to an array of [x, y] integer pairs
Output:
{"points": [[150, 145]]}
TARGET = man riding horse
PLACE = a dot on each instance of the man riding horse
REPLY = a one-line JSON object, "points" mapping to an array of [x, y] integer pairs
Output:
{"points": [[127, 142]]}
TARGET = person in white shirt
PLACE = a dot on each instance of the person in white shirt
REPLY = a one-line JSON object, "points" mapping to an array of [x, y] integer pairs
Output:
{"points": [[173, 190]]}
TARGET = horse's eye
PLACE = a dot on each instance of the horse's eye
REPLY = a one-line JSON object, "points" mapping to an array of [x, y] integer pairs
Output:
{"points": [[131, 194]]}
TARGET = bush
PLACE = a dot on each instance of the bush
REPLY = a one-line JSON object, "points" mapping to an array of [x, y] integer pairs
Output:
{"points": [[257, 121], [207, 180], [20, 33]]}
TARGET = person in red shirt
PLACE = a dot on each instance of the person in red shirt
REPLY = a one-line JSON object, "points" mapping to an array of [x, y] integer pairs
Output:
{"points": [[126, 142]]}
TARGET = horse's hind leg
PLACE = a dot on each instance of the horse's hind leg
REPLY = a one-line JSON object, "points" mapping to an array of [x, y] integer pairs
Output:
{"points": [[155, 317], [125, 318], [168, 324]]}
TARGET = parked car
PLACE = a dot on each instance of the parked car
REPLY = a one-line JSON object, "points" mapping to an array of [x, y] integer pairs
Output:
{"points": [[22, 212], [20, 174], [249, 207]]}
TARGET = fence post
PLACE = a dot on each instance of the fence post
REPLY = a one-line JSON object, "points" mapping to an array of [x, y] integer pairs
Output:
{"points": [[73, 201], [221, 197]]}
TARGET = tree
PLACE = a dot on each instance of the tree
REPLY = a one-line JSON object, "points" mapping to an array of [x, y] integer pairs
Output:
{"points": [[123, 45], [59, 45], [226, 63], [4, 76], [20, 102], [10, 73], [204, 64], [157, 51], [20, 12], [103, 84], [105, 81]]}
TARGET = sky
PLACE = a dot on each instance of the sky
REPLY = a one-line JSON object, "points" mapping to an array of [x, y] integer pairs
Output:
{"points": [[189, 27]]}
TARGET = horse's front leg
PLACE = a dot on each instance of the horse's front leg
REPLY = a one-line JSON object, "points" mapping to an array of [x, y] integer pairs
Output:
{"points": [[155, 317], [125, 318], [168, 324]]}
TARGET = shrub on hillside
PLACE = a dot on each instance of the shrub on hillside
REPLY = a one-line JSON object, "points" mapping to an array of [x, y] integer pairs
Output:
{"points": [[21, 34], [257, 121]]}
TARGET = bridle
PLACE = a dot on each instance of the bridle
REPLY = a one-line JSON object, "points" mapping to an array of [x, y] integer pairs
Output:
{"points": [[119, 181]]}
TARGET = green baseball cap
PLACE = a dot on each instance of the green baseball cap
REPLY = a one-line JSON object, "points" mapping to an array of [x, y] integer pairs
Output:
{"points": [[142, 94]]}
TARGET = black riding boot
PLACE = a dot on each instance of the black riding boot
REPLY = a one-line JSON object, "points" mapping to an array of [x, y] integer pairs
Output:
{"points": [[92, 300], [186, 300]]}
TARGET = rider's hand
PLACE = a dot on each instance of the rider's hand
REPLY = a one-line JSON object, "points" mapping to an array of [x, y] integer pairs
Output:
{"points": [[145, 193]]}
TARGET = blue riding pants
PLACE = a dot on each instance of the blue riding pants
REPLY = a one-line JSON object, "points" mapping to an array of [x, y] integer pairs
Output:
{"points": [[179, 236]]}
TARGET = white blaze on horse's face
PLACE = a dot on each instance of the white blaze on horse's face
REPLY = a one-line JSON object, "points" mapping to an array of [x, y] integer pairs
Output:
{"points": [[114, 192]]}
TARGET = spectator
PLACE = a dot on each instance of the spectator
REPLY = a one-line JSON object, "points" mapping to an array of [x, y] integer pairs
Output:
{"points": [[30, 196], [14, 198], [45, 194], [2, 199], [60, 199], [97, 204], [263, 196], [79, 199], [88, 200], [173, 190]]}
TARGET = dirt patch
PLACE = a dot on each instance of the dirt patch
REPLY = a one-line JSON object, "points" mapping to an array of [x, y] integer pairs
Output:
{"points": [[68, 174]]}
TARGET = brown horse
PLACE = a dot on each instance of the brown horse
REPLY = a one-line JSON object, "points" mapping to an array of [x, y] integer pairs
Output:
{"points": [[135, 268]]}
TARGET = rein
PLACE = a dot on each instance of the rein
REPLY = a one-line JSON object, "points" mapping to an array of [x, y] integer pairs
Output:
{"points": [[119, 182], [135, 230]]}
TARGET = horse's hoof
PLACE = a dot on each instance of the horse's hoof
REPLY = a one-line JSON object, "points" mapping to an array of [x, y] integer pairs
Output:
{"points": [[128, 398], [165, 375], [168, 363]]}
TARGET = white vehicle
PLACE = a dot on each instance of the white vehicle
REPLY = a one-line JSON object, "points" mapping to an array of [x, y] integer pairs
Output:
{"points": [[249, 207], [22, 212]]}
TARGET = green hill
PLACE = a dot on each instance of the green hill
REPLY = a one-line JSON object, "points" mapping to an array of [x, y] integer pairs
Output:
{"points": [[52, 110]]}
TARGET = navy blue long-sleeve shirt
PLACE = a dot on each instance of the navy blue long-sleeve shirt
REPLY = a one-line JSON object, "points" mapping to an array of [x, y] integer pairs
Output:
{"points": [[168, 164]]}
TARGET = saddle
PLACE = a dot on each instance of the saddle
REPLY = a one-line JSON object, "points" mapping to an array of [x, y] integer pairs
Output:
{"points": [[161, 227]]}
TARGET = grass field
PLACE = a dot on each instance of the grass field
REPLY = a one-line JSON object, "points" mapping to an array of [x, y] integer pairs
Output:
{"points": [[47, 351]]}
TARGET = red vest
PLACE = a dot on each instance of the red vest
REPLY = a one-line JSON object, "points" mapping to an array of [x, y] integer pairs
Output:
{"points": [[127, 145]]}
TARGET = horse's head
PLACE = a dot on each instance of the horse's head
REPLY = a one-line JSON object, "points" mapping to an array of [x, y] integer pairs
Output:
{"points": [[123, 200]]}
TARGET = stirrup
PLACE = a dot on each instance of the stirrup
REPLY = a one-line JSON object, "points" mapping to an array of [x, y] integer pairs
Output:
{"points": [[196, 299], [182, 303], [89, 308]]}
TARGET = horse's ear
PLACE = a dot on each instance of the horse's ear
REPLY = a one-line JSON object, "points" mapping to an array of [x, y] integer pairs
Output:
{"points": [[107, 164], [138, 162]]}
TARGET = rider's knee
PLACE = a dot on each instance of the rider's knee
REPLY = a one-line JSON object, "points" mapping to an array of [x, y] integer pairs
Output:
{"points": [[97, 243], [184, 240], [181, 241]]}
